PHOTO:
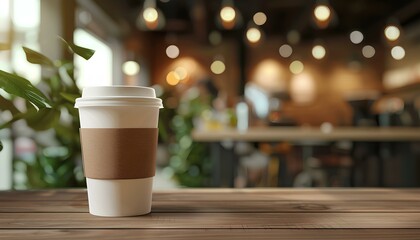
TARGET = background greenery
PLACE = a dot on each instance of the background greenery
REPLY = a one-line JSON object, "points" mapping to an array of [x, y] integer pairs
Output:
{"points": [[49, 107], [49, 110]]}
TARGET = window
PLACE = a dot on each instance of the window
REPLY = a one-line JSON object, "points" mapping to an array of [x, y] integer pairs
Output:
{"points": [[97, 71]]}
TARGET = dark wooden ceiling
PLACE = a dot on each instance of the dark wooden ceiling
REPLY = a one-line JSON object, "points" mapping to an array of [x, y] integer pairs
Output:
{"points": [[198, 17]]}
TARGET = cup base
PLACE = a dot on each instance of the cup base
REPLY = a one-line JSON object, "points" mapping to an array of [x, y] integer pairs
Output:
{"points": [[119, 197]]}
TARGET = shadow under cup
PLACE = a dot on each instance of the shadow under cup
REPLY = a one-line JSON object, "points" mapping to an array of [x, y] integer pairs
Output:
{"points": [[119, 139]]}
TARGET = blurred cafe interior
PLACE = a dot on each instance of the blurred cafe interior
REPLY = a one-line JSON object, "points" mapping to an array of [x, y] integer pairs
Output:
{"points": [[256, 93]]}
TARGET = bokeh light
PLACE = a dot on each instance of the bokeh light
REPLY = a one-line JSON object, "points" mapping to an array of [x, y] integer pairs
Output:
{"points": [[260, 18], [172, 51], [368, 51], [181, 72], [392, 33], [227, 14], [285, 50], [217, 67], [398, 52], [318, 52], [296, 67], [322, 12], [172, 78], [302, 88], [253, 35], [130, 68], [356, 37], [150, 15]]}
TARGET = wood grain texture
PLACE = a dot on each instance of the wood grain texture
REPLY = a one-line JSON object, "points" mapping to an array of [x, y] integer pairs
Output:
{"points": [[206, 234], [321, 194], [219, 214], [226, 207], [213, 220], [310, 134], [289, 194]]}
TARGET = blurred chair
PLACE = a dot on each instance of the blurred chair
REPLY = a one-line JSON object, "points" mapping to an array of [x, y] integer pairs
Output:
{"points": [[398, 161], [366, 170]]}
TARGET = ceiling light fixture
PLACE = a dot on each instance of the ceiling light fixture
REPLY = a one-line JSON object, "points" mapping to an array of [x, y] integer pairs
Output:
{"points": [[217, 67], [229, 17], [285, 50], [398, 52], [227, 14], [253, 35], [318, 52], [392, 32], [150, 17], [356, 37], [260, 18], [131, 68], [323, 14], [368, 51], [172, 51], [296, 67]]}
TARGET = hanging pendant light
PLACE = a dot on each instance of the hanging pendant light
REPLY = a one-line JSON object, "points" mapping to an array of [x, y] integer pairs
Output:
{"points": [[229, 17], [323, 14], [150, 17]]}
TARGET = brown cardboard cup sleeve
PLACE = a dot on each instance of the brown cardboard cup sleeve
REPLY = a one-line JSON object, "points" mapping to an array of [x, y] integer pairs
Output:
{"points": [[119, 153]]}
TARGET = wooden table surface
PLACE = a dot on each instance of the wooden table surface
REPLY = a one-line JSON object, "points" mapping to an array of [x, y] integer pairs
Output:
{"points": [[256, 134], [219, 214]]}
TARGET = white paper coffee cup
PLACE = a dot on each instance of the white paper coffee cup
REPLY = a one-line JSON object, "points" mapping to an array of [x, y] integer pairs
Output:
{"points": [[119, 107]]}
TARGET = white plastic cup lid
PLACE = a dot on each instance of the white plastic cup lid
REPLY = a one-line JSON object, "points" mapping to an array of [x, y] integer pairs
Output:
{"points": [[117, 96]]}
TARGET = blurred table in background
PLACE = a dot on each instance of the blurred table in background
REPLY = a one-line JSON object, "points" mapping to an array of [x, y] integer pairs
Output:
{"points": [[219, 214], [225, 162], [303, 134]]}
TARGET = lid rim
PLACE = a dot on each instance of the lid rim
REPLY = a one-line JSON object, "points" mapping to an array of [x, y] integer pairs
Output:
{"points": [[118, 90]]}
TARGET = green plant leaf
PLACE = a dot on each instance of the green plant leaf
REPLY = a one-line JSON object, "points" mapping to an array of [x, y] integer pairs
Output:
{"points": [[43, 119], [37, 58], [85, 53], [70, 97], [21, 87]]}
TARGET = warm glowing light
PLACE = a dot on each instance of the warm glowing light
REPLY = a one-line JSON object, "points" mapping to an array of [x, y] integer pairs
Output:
{"points": [[398, 52], [172, 51], [322, 12], [217, 67], [181, 72], [296, 67], [356, 37], [253, 35], [285, 50], [318, 52], [302, 88], [172, 78], [130, 68], [270, 75], [392, 33], [260, 18], [227, 14], [150, 15], [368, 51]]}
